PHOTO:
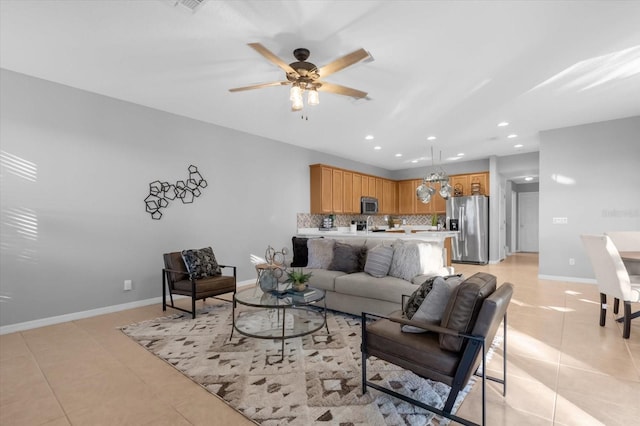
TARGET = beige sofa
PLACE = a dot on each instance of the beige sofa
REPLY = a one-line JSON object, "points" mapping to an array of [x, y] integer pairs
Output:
{"points": [[359, 292]]}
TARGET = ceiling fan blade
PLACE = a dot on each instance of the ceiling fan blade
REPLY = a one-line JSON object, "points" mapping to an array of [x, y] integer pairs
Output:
{"points": [[342, 90], [273, 58], [342, 63], [260, 86]]}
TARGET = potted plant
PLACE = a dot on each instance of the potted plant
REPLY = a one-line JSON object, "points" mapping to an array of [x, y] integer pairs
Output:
{"points": [[434, 222], [298, 279]]}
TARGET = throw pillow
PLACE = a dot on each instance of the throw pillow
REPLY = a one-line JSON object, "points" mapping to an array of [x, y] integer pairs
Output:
{"points": [[320, 253], [300, 252], [434, 304], [378, 261], [464, 306], [417, 297], [406, 261], [345, 258], [201, 263]]}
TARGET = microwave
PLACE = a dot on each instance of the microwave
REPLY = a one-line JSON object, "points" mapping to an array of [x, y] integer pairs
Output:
{"points": [[368, 205]]}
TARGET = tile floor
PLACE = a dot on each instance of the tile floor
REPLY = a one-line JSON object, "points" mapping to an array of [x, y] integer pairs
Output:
{"points": [[563, 369]]}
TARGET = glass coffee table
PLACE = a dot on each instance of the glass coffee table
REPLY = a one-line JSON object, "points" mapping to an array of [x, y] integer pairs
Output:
{"points": [[278, 315]]}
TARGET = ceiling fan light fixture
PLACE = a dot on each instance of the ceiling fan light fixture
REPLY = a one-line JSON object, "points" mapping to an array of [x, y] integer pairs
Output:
{"points": [[296, 104], [312, 97], [295, 93]]}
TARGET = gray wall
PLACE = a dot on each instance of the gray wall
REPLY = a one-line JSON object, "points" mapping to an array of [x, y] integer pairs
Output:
{"points": [[589, 174], [75, 171]]}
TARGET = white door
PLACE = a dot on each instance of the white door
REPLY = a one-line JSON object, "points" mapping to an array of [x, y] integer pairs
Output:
{"points": [[503, 223], [528, 221]]}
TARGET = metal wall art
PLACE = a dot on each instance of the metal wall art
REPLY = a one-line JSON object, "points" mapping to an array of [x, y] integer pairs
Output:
{"points": [[160, 193]]}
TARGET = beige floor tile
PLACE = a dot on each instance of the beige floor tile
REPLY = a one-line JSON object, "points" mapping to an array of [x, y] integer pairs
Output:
{"points": [[31, 411], [21, 380], [576, 409], [12, 345], [597, 385]]}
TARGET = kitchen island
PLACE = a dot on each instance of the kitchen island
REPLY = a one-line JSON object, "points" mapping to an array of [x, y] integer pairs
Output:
{"points": [[414, 233]]}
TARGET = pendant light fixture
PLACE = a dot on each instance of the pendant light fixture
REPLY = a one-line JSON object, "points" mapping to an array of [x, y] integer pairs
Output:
{"points": [[427, 189]]}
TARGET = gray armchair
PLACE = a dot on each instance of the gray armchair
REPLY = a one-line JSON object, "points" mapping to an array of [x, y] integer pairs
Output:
{"points": [[449, 354]]}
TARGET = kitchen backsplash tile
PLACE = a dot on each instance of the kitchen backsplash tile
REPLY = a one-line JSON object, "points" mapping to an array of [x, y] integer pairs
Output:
{"points": [[308, 220]]}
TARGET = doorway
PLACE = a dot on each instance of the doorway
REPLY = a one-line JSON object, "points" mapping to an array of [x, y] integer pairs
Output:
{"points": [[528, 221]]}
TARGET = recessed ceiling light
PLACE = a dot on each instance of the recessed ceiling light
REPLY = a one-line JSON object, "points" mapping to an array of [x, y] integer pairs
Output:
{"points": [[512, 135], [398, 155], [414, 161], [431, 138], [518, 145], [528, 178], [377, 147], [369, 137], [460, 154], [503, 124]]}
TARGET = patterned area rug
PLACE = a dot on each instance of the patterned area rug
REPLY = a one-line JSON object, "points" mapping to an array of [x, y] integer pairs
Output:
{"points": [[317, 382]]}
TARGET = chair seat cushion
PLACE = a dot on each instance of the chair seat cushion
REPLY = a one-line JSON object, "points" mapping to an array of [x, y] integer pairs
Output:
{"points": [[206, 287], [420, 353]]}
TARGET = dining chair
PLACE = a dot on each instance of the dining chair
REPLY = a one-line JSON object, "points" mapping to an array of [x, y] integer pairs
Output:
{"points": [[612, 278]]}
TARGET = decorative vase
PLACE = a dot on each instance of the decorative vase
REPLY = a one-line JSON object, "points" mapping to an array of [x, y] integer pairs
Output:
{"points": [[299, 286]]}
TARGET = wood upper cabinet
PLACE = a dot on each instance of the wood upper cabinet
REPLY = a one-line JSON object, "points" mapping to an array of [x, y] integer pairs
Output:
{"points": [[389, 197], [406, 197], [337, 191], [465, 181], [321, 183], [347, 192], [357, 192], [372, 187]]}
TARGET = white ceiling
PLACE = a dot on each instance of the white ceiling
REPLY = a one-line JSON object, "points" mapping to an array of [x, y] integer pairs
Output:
{"points": [[452, 69]]}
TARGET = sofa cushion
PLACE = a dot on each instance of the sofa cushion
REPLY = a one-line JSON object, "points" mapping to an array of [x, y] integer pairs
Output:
{"points": [[434, 304], [378, 261], [320, 252], [362, 284], [417, 297], [346, 258], [323, 278], [411, 259], [463, 307], [406, 261], [300, 252], [201, 263]]}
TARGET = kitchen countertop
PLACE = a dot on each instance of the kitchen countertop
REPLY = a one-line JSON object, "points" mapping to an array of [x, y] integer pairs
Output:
{"points": [[417, 233]]}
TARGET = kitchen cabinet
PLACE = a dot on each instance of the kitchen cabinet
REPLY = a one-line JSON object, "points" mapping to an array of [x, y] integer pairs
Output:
{"points": [[357, 192], [347, 192], [336, 191], [406, 197], [466, 180], [321, 185], [389, 197], [408, 202]]}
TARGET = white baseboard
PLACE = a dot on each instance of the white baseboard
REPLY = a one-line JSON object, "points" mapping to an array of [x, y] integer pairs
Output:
{"points": [[43, 322], [570, 279]]}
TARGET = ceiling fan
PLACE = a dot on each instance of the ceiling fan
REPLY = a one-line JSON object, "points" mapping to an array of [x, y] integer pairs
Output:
{"points": [[305, 76]]}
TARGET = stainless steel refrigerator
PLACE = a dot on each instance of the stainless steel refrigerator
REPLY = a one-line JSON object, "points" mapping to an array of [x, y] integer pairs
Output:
{"points": [[472, 216]]}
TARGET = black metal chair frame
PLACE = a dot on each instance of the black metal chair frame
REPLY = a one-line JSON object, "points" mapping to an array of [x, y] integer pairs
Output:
{"points": [[165, 287], [473, 346]]}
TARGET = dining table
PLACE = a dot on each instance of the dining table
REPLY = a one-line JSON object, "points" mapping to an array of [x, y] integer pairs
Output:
{"points": [[631, 260]]}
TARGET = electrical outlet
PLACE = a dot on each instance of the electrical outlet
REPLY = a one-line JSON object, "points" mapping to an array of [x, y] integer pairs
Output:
{"points": [[127, 285], [572, 261], [560, 220]]}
